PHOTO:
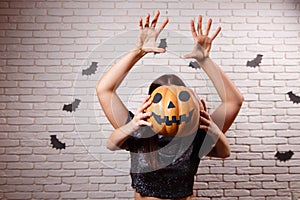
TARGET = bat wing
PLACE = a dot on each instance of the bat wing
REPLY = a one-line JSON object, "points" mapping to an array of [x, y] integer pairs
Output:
{"points": [[72, 107], [255, 62], [194, 64], [56, 143], [284, 156], [162, 44], [91, 70], [259, 58], [293, 97], [75, 104]]}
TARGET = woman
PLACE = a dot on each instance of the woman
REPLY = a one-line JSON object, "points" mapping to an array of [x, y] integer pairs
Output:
{"points": [[164, 167]]}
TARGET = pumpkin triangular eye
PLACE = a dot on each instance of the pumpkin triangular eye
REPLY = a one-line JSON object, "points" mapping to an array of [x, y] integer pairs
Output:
{"points": [[184, 96], [157, 97]]}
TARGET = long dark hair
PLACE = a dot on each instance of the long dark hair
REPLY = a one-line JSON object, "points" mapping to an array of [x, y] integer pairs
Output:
{"points": [[166, 79]]}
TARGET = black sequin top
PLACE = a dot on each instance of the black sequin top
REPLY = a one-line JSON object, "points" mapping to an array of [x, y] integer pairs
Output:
{"points": [[166, 169]]}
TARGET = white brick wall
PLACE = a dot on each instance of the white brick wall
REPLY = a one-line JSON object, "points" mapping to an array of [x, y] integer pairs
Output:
{"points": [[45, 46]]}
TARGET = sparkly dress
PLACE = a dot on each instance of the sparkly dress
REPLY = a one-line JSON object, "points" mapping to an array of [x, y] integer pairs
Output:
{"points": [[162, 166]]}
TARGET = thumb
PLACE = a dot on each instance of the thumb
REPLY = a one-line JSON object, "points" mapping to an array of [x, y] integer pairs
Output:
{"points": [[154, 49], [159, 50], [188, 56]]}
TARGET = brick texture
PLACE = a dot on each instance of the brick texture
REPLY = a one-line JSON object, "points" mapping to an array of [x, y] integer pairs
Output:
{"points": [[45, 45]]}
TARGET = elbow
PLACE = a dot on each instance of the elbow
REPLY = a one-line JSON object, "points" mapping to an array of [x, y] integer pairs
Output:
{"points": [[225, 154], [220, 153], [102, 88], [99, 88], [113, 146], [236, 104], [240, 100], [236, 101], [226, 151], [102, 92], [110, 146]]}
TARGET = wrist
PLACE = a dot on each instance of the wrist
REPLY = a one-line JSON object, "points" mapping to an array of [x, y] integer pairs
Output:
{"points": [[215, 133], [203, 60], [139, 51], [130, 128], [207, 64]]}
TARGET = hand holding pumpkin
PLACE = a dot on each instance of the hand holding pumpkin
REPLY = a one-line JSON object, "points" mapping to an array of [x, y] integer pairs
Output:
{"points": [[140, 116], [203, 43], [208, 125], [148, 34]]}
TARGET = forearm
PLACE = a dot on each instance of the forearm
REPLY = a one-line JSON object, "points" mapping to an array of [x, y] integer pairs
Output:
{"points": [[119, 136], [111, 103], [115, 75], [221, 148], [227, 91], [232, 99]]}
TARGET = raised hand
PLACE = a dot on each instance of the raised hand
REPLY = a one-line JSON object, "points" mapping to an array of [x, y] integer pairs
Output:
{"points": [[202, 41], [148, 34]]}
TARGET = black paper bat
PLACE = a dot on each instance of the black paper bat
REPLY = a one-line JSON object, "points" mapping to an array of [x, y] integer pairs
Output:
{"points": [[91, 70], [284, 156], [56, 143], [293, 97], [255, 62], [194, 64], [162, 44], [72, 106]]}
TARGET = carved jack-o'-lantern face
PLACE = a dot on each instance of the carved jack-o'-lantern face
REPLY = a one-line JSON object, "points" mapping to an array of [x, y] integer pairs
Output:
{"points": [[175, 111]]}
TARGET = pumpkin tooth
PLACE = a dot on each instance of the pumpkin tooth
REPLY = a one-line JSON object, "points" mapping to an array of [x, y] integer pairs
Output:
{"points": [[170, 122], [182, 118]]}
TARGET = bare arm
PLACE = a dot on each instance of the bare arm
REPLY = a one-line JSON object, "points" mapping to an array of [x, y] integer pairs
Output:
{"points": [[121, 134], [111, 103], [221, 148], [113, 107], [232, 99]]}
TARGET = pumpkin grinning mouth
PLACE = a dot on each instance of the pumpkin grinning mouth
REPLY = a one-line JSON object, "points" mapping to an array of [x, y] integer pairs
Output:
{"points": [[168, 122]]}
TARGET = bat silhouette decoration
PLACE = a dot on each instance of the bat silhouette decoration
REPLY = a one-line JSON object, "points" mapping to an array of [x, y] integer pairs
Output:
{"points": [[162, 44], [255, 62], [284, 156], [194, 64], [56, 143], [91, 70], [293, 97], [72, 106]]}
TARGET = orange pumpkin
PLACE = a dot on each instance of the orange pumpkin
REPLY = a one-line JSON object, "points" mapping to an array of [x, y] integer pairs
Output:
{"points": [[175, 111]]}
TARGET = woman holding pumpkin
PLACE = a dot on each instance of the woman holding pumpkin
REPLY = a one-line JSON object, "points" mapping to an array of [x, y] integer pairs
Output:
{"points": [[163, 167]]}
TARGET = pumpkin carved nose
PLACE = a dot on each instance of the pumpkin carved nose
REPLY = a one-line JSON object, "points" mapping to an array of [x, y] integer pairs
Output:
{"points": [[171, 105]]}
